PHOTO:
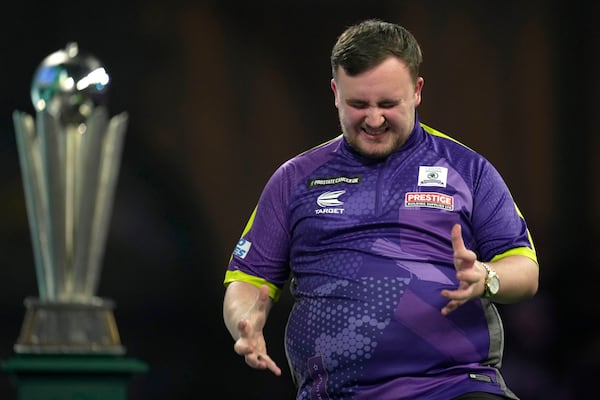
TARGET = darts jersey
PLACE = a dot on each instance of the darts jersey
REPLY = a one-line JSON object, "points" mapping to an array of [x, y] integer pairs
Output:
{"points": [[365, 245]]}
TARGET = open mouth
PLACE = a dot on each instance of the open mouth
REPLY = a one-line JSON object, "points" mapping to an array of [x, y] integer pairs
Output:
{"points": [[374, 132]]}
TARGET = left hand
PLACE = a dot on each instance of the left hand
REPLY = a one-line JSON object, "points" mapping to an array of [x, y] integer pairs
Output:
{"points": [[470, 273]]}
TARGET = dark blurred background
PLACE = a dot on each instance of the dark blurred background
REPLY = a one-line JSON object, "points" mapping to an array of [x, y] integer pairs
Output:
{"points": [[219, 93]]}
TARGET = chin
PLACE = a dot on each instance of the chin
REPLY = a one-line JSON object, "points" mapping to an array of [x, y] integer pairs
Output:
{"points": [[374, 152], [371, 148]]}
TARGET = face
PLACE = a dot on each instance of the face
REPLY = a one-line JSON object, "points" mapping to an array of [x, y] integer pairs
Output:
{"points": [[377, 107]]}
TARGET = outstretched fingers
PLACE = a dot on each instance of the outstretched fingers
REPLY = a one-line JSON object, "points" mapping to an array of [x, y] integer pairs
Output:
{"points": [[266, 362]]}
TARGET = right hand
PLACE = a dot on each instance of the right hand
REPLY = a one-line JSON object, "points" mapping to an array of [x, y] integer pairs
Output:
{"points": [[251, 342]]}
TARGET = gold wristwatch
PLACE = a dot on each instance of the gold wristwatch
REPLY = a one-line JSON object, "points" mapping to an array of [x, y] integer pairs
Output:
{"points": [[492, 282]]}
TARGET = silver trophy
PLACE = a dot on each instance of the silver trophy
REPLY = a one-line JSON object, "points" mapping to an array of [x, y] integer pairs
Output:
{"points": [[69, 158]]}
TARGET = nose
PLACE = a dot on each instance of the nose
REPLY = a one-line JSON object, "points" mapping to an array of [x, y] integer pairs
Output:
{"points": [[375, 117]]}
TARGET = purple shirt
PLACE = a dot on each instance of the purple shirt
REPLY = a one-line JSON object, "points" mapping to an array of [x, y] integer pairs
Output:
{"points": [[367, 245]]}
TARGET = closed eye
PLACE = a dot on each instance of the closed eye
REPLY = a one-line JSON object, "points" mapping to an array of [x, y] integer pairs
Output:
{"points": [[363, 104], [358, 104], [388, 104]]}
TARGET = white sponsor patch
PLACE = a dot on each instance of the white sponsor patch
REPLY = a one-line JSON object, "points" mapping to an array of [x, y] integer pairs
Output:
{"points": [[242, 248], [432, 176]]}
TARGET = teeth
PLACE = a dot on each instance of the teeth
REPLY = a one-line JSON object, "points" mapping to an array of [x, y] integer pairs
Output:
{"points": [[376, 131]]}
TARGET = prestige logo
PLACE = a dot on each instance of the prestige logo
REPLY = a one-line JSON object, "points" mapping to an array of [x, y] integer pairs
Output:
{"points": [[328, 200], [429, 199]]}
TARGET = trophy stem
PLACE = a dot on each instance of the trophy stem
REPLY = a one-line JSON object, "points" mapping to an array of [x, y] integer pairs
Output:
{"points": [[86, 163], [107, 177], [69, 206], [35, 199], [53, 182]]}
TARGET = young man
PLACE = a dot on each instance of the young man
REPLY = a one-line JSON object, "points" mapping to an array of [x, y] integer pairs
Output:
{"points": [[398, 240]]}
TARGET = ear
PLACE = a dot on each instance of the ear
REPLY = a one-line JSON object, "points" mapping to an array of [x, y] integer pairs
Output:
{"points": [[418, 88], [335, 92]]}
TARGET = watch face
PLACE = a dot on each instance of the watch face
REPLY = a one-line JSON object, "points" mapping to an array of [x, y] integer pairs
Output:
{"points": [[493, 284]]}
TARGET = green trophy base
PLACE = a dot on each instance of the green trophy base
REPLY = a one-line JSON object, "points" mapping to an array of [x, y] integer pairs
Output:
{"points": [[72, 377]]}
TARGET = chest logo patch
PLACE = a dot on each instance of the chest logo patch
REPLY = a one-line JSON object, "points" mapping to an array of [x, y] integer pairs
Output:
{"points": [[432, 176], [330, 202], [429, 199], [330, 199]]}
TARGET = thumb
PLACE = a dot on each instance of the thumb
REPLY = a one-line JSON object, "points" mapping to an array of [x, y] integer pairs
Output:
{"points": [[463, 257], [458, 244]]}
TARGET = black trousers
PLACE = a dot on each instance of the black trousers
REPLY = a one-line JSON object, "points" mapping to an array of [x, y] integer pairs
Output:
{"points": [[479, 396]]}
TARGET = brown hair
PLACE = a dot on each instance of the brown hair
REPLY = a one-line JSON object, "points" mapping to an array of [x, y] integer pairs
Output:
{"points": [[366, 44]]}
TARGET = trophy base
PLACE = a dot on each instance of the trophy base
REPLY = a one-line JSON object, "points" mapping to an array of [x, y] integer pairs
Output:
{"points": [[64, 327]]}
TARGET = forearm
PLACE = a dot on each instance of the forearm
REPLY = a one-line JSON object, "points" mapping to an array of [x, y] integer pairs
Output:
{"points": [[240, 298], [519, 278]]}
